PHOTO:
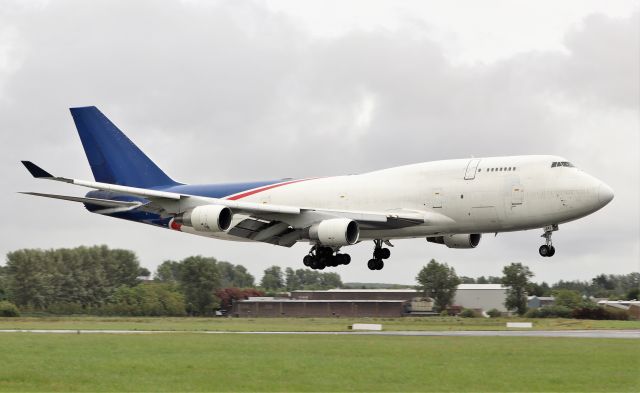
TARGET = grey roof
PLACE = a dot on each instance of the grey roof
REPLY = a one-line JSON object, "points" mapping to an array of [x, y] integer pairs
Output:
{"points": [[265, 300]]}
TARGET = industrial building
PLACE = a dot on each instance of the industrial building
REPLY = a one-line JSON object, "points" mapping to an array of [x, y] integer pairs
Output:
{"points": [[357, 294], [540, 301], [367, 302], [285, 307]]}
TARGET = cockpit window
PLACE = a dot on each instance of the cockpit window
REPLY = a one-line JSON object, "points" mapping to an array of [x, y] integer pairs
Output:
{"points": [[561, 163]]}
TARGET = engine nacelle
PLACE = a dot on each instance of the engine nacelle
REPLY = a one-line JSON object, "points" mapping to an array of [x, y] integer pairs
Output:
{"points": [[208, 218], [335, 232], [457, 241]]}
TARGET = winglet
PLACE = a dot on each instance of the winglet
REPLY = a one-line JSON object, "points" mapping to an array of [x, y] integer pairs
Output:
{"points": [[36, 171]]}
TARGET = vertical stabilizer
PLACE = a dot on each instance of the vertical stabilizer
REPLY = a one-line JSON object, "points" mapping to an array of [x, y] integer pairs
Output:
{"points": [[113, 157]]}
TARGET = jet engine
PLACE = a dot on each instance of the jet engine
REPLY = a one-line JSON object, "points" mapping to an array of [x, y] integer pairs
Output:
{"points": [[335, 232], [208, 218], [457, 241]]}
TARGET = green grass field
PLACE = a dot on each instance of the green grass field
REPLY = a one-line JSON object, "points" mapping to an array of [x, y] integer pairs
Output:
{"points": [[212, 362], [298, 324]]}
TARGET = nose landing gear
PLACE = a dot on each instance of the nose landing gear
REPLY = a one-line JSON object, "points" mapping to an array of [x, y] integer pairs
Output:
{"points": [[320, 257], [547, 249], [379, 253]]}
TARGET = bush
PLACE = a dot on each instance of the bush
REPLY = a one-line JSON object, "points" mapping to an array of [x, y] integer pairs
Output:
{"points": [[549, 312], [467, 313], [599, 313], [66, 308], [147, 299], [494, 313], [8, 309]]}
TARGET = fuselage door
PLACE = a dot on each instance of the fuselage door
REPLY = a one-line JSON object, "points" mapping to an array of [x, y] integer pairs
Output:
{"points": [[436, 198], [472, 167], [517, 194]]}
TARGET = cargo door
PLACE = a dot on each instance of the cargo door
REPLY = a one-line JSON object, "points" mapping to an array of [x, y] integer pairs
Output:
{"points": [[472, 167]]}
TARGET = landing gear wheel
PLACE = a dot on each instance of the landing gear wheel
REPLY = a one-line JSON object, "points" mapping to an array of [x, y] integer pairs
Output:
{"points": [[544, 250], [552, 251], [375, 264], [307, 260], [547, 249], [381, 253], [343, 259]]}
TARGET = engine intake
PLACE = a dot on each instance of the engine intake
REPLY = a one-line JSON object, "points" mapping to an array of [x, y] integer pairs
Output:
{"points": [[335, 232], [457, 241], [208, 218]]}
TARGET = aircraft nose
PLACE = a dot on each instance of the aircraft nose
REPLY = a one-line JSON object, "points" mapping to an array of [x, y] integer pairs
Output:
{"points": [[605, 194]]}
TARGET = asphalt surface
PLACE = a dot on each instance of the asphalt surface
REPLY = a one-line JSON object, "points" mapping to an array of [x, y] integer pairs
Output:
{"points": [[628, 334]]}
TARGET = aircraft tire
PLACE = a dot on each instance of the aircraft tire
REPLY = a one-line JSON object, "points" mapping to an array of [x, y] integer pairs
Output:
{"points": [[371, 264], [385, 253], [307, 260], [544, 250], [379, 264], [552, 251], [345, 259]]}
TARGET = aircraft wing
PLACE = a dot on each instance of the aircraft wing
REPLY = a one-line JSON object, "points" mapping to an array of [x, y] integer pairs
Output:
{"points": [[276, 224]]}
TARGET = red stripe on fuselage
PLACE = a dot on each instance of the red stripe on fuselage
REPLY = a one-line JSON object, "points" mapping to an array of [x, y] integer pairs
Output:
{"points": [[265, 188]]}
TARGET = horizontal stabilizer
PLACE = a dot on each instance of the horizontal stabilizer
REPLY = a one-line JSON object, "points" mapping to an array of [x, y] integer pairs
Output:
{"points": [[35, 170], [91, 201]]}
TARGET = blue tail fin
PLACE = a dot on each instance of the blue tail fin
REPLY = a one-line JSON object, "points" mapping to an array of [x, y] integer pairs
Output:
{"points": [[113, 157]]}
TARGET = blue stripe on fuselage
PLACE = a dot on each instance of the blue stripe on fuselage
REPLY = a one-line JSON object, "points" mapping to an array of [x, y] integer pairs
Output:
{"points": [[204, 190]]}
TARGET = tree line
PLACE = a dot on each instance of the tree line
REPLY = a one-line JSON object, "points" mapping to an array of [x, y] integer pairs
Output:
{"points": [[103, 281], [439, 281]]}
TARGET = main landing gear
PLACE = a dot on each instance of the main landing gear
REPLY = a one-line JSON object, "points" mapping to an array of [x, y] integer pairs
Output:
{"points": [[547, 249], [379, 253], [320, 257]]}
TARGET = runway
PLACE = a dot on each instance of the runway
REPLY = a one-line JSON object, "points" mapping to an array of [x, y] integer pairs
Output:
{"points": [[625, 334]]}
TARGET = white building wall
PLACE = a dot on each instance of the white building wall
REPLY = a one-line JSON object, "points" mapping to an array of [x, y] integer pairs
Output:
{"points": [[484, 299]]}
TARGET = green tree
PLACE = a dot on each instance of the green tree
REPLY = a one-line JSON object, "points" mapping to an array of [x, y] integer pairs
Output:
{"points": [[168, 271], [85, 276], [234, 276], [632, 294], [516, 279], [199, 279], [272, 280], [292, 280], [330, 280], [568, 298], [535, 289], [439, 282], [3, 284], [146, 299]]}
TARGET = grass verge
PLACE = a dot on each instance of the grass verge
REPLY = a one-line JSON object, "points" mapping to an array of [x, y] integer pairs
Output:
{"points": [[311, 363], [298, 324]]}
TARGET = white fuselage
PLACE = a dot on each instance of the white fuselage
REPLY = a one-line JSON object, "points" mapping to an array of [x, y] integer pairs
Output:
{"points": [[484, 195]]}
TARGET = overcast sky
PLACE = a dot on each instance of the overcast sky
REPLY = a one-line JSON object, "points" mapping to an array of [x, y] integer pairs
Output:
{"points": [[218, 91]]}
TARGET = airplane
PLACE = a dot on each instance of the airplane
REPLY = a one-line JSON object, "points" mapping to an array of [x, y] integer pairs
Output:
{"points": [[449, 202]]}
